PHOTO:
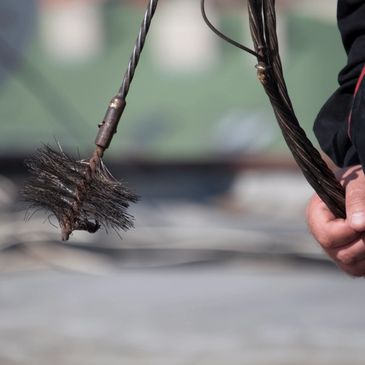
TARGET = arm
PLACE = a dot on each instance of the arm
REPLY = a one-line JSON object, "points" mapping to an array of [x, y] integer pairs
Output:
{"points": [[340, 129]]}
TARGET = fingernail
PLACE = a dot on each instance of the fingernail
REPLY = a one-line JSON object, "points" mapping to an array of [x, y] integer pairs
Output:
{"points": [[358, 219]]}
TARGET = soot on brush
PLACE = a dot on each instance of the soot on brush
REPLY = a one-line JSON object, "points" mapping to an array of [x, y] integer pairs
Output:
{"points": [[80, 197]]}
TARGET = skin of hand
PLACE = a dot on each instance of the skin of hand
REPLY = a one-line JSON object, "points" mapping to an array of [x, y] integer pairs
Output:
{"points": [[342, 239]]}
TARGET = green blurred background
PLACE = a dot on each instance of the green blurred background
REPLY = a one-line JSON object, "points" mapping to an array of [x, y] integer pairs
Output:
{"points": [[170, 115]]}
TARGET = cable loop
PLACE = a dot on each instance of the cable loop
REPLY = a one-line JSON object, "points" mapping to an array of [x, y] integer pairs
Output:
{"points": [[222, 35]]}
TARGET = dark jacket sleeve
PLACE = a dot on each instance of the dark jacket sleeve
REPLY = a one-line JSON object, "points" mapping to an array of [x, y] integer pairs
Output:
{"points": [[338, 122]]}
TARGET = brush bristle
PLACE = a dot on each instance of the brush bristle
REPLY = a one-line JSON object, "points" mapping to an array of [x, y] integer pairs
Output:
{"points": [[79, 200]]}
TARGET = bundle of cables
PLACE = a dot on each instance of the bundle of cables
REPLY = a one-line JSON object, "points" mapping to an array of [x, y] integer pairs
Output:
{"points": [[262, 19]]}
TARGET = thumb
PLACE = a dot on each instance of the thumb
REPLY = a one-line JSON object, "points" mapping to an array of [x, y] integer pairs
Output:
{"points": [[355, 203]]}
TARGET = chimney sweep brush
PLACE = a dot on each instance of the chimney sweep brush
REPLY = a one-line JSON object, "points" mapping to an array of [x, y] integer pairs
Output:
{"points": [[82, 194]]}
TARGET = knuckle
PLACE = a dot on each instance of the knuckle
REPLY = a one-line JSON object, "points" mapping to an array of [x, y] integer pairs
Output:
{"points": [[326, 245], [311, 222], [324, 240], [345, 258], [353, 271]]}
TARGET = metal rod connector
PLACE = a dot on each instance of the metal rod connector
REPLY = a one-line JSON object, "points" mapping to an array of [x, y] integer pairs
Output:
{"points": [[108, 127]]}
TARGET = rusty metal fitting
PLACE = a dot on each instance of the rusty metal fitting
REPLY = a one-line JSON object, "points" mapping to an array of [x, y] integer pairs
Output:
{"points": [[108, 127], [261, 71]]}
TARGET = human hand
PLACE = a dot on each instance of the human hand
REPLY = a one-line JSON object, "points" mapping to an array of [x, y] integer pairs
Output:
{"points": [[342, 239]]}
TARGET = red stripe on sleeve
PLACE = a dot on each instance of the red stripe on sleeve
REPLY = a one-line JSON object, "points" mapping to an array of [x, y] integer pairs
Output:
{"points": [[359, 81], [362, 75]]}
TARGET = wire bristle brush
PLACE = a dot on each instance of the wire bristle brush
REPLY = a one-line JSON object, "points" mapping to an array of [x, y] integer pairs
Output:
{"points": [[82, 194], [81, 197]]}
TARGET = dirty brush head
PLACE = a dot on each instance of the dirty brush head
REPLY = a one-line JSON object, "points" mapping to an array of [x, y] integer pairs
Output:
{"points": [[81, 197]]}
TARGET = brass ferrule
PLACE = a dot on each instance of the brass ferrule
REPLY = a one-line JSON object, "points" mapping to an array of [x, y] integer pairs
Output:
{"points": [[108, 127]]}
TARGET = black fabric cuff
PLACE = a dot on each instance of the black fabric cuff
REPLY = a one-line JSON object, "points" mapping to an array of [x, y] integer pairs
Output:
{"points": [[331, 126], [331, 129], [357, 122]]}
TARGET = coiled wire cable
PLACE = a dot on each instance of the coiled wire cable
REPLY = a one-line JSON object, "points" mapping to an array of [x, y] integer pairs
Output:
{"points": [[262, 18]]}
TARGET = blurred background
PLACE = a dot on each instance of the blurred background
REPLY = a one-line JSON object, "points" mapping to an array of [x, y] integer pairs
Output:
{"points": [[220, 268]]}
